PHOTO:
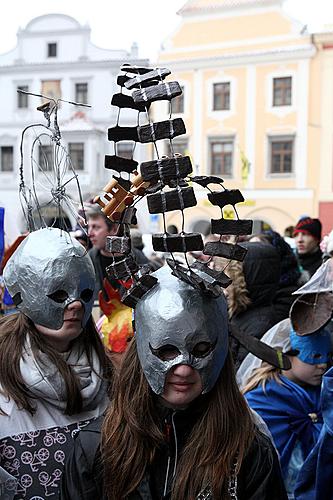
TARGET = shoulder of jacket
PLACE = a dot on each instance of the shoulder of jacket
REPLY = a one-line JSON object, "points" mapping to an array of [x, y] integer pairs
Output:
{"points": [[87, 444], [90, 435], [261, 442], [93, 252]]}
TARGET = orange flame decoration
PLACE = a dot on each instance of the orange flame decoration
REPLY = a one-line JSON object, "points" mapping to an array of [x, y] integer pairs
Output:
{"points": [[116, 327]]}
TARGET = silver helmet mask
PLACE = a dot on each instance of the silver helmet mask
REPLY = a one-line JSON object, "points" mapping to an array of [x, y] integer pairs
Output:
{"points": [[176, 324], [48, 271]]}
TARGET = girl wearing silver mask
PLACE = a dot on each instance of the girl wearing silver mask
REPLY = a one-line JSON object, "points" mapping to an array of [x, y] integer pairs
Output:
{"points": [[53, 366], [178, 427]]}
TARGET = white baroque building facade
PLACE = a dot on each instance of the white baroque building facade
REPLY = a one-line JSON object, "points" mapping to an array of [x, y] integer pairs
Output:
{"points": [[55, 56]]}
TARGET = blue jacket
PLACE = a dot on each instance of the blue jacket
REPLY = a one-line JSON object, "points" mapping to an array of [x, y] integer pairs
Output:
{"points": [[286, 408], [315, 480]]}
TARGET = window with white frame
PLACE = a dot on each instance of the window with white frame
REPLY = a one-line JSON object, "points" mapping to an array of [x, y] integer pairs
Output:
{"points": [[178, 103], [76, 152], [221, 153], [221, 96], [22, 99], [282, 91], [7, 159], [281, 155], [81, 92]]}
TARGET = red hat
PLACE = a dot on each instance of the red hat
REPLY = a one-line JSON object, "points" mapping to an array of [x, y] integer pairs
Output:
{"points": [[309, 226]]}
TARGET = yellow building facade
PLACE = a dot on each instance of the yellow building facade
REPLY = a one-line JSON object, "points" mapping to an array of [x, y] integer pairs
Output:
{"points": [[253, 108]]}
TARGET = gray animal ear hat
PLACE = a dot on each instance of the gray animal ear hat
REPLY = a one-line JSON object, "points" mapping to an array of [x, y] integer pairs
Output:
{"points": [[48, 271], [175, 324]]}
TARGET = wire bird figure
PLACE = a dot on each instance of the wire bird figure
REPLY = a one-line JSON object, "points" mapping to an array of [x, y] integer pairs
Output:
{"points": [[50, 172]]}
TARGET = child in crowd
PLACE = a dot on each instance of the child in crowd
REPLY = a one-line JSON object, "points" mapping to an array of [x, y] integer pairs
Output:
{"points": [[289, 403], [54, 371], [178, 427]]}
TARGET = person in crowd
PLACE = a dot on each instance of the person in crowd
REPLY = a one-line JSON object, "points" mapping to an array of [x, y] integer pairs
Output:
{"points": [[81, 237], [172, 229], [326, 246], [288, 236], [251, 294], [178, 427], [289, 401], [307, 235], [290, 276], [54, 371], [136, 238], [99, 228], [315, 479]]}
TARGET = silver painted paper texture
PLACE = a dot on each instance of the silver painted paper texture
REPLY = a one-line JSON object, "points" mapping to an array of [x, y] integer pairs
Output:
{"points": [[176, 314], [47, 262]]}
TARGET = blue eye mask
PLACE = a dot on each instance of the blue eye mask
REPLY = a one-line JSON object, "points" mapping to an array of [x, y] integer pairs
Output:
{"points": [[313, 349]]}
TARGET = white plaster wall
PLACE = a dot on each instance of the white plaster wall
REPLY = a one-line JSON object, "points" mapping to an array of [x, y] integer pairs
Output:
{"points": [[78, 60]]}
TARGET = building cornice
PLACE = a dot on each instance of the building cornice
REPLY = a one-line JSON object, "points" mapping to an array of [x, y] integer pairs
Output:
{"points": [[243, 58], [13, 127], [323, 37], [191, 9], [53, 33], [245, 42], [84, 64]]}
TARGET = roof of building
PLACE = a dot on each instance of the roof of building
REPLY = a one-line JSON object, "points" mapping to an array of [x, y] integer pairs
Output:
{"points": [[193, 6]]}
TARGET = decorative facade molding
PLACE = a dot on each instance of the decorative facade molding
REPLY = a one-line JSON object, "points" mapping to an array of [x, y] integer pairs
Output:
{"points": [[290, 53]]}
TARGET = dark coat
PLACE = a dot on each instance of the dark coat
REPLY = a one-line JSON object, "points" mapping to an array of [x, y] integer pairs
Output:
{"points": [[259, 477], [261, 269], [289, 277], [310, 261]]}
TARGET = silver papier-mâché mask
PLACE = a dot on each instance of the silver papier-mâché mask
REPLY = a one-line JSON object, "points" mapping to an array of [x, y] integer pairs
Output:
{"points": [[48, 271], [176, 318]]}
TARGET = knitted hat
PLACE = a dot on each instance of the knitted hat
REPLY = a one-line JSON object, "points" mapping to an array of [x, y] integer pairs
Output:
{"points": [[309, 226]]}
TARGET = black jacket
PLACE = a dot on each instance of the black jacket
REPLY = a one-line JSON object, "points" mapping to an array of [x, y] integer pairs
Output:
{"points": [[259, 478], [261, 269], [310, 262]]}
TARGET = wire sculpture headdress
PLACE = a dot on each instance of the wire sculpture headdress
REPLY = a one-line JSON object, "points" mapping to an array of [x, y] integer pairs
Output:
{"points": [[49, 270], [166, 182], [48, 176]]}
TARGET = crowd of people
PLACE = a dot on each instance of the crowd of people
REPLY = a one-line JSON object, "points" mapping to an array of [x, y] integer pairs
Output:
{"points": [[162, 404]]}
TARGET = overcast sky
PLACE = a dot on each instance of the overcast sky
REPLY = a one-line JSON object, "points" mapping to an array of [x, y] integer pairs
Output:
{"points": [[117, 23]]}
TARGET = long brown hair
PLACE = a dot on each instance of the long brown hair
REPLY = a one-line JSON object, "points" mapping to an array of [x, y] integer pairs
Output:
{"points": [[13, 331], [132, 434]]}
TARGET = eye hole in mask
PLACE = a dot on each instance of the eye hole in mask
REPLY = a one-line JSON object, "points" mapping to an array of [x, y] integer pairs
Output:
{"points": [[319, 356], [202, 349], [166, 352], [86, 295], [59, 296]]}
